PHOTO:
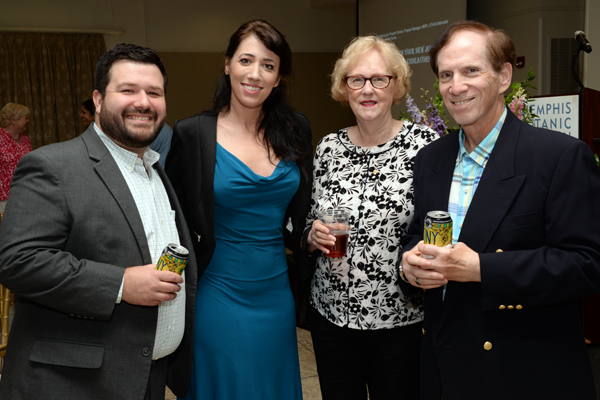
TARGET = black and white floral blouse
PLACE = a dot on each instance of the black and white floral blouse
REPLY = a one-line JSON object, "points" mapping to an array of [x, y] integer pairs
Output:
{"points": [[361, 290]]}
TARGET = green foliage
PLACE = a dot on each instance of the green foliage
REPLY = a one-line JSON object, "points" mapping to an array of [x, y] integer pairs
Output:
{"points": [[518, 99], [526, 84], [438, 102]]}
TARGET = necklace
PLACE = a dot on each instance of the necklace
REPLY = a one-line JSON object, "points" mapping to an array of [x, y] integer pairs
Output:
{"points": [[375, 171], [363, 139]]}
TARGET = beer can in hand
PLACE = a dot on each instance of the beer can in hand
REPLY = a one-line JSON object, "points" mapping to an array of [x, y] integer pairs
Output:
{"points": [[174, 258], [438, 229]]}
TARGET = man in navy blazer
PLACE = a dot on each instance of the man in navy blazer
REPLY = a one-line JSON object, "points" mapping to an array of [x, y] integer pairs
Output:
{"points": [[501, 304], [86, 222]]}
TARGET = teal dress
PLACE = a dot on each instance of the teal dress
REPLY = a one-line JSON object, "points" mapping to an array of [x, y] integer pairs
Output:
{"points": [[245, 344]]}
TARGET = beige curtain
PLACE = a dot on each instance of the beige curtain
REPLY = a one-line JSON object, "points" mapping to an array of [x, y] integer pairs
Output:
{"points": [[52, 74]]}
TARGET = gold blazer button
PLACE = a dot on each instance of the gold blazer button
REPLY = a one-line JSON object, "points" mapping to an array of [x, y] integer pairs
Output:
{"points": [[423, 330], [510, 307], [487, 346], [499, 251], [502, 307], [519, 307]]}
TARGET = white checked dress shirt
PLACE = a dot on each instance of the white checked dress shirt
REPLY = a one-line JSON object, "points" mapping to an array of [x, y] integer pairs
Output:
{"points": [[158, 219]]}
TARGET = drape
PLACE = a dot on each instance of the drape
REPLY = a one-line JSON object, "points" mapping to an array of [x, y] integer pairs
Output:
{"points": [[52, 74]]}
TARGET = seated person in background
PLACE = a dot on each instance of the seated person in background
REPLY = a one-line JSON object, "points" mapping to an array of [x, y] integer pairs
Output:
{"points": [[88, 110], [13, 144]]}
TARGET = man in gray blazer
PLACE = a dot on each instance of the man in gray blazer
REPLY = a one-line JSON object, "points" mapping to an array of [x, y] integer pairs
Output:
{"points": [[86, 222]]}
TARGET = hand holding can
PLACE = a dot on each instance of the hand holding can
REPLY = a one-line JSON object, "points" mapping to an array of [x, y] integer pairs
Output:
{"points": [[174, 258], [437, 229]]}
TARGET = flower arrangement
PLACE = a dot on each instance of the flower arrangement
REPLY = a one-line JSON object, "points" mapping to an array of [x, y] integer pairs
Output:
{"points": [[434, 114], [518, 99]]}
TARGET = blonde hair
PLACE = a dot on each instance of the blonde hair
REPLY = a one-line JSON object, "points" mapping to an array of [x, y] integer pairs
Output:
{"points": [[357, 48], [14, 111]]}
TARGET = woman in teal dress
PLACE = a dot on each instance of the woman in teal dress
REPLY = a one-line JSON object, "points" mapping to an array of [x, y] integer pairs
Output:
{"points": [[242, 172]]}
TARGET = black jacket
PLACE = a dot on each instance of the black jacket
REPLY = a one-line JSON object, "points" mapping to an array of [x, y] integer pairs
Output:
{"points": [[191, 169]]}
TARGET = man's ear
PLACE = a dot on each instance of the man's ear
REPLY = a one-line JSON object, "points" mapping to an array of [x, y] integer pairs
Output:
{"points": [[505, 77], [97, 97]]}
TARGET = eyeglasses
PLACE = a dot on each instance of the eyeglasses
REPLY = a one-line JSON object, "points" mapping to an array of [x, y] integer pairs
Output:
{"points": [[378, 81]]}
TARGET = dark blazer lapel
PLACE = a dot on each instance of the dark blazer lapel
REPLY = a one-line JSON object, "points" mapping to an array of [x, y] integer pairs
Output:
{"points": [[109, 172], [207, 152], [436, 181], [495, 193]]}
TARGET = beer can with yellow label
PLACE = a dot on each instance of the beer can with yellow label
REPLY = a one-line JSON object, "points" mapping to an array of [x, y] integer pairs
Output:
{"points": [[438, 228], [174, 258]]}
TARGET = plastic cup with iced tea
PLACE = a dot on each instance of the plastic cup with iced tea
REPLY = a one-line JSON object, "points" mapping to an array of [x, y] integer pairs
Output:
{"points": [[337, 222]]}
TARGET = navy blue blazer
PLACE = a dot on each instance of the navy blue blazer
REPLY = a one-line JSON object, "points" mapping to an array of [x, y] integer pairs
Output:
{"points": [[534, 220]]}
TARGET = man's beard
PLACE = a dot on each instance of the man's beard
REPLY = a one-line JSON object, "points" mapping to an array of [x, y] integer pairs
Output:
{"points": [[113, 125]]}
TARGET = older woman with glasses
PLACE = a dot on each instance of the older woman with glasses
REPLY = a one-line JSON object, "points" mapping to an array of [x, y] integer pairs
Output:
{"points": [[366, 334]]}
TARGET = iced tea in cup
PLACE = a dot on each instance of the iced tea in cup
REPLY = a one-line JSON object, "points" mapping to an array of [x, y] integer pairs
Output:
{"points": [[337, 222]]}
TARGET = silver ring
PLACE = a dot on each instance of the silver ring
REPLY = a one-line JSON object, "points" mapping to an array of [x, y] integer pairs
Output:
{"points": [[417, 280]]}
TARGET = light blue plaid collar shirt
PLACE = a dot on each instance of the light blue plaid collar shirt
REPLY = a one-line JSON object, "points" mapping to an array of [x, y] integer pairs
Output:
{"points": [[467, 173], [158, 218]]}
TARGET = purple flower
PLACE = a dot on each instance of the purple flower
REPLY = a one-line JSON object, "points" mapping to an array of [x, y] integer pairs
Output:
{"points": [[435, 121], [430, 117], [413, 110]]}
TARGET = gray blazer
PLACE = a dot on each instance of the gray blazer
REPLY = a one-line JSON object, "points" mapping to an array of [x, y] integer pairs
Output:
{"points": [[71, 227]]}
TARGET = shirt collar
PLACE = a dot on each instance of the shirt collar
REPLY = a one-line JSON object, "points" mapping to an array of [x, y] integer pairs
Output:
{"points": [[481, 153], [128, 158]]}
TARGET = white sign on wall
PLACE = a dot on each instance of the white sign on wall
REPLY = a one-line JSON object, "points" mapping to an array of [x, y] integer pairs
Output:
{"points": [[559, 113]]}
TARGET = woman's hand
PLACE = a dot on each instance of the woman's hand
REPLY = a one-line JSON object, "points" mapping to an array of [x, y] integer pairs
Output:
{"points": [[319, 237]]}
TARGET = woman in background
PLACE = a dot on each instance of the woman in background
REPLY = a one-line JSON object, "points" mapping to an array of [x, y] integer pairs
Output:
{"points": [[13, 144], [88, 110], [366, 334], [242, 173]]}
